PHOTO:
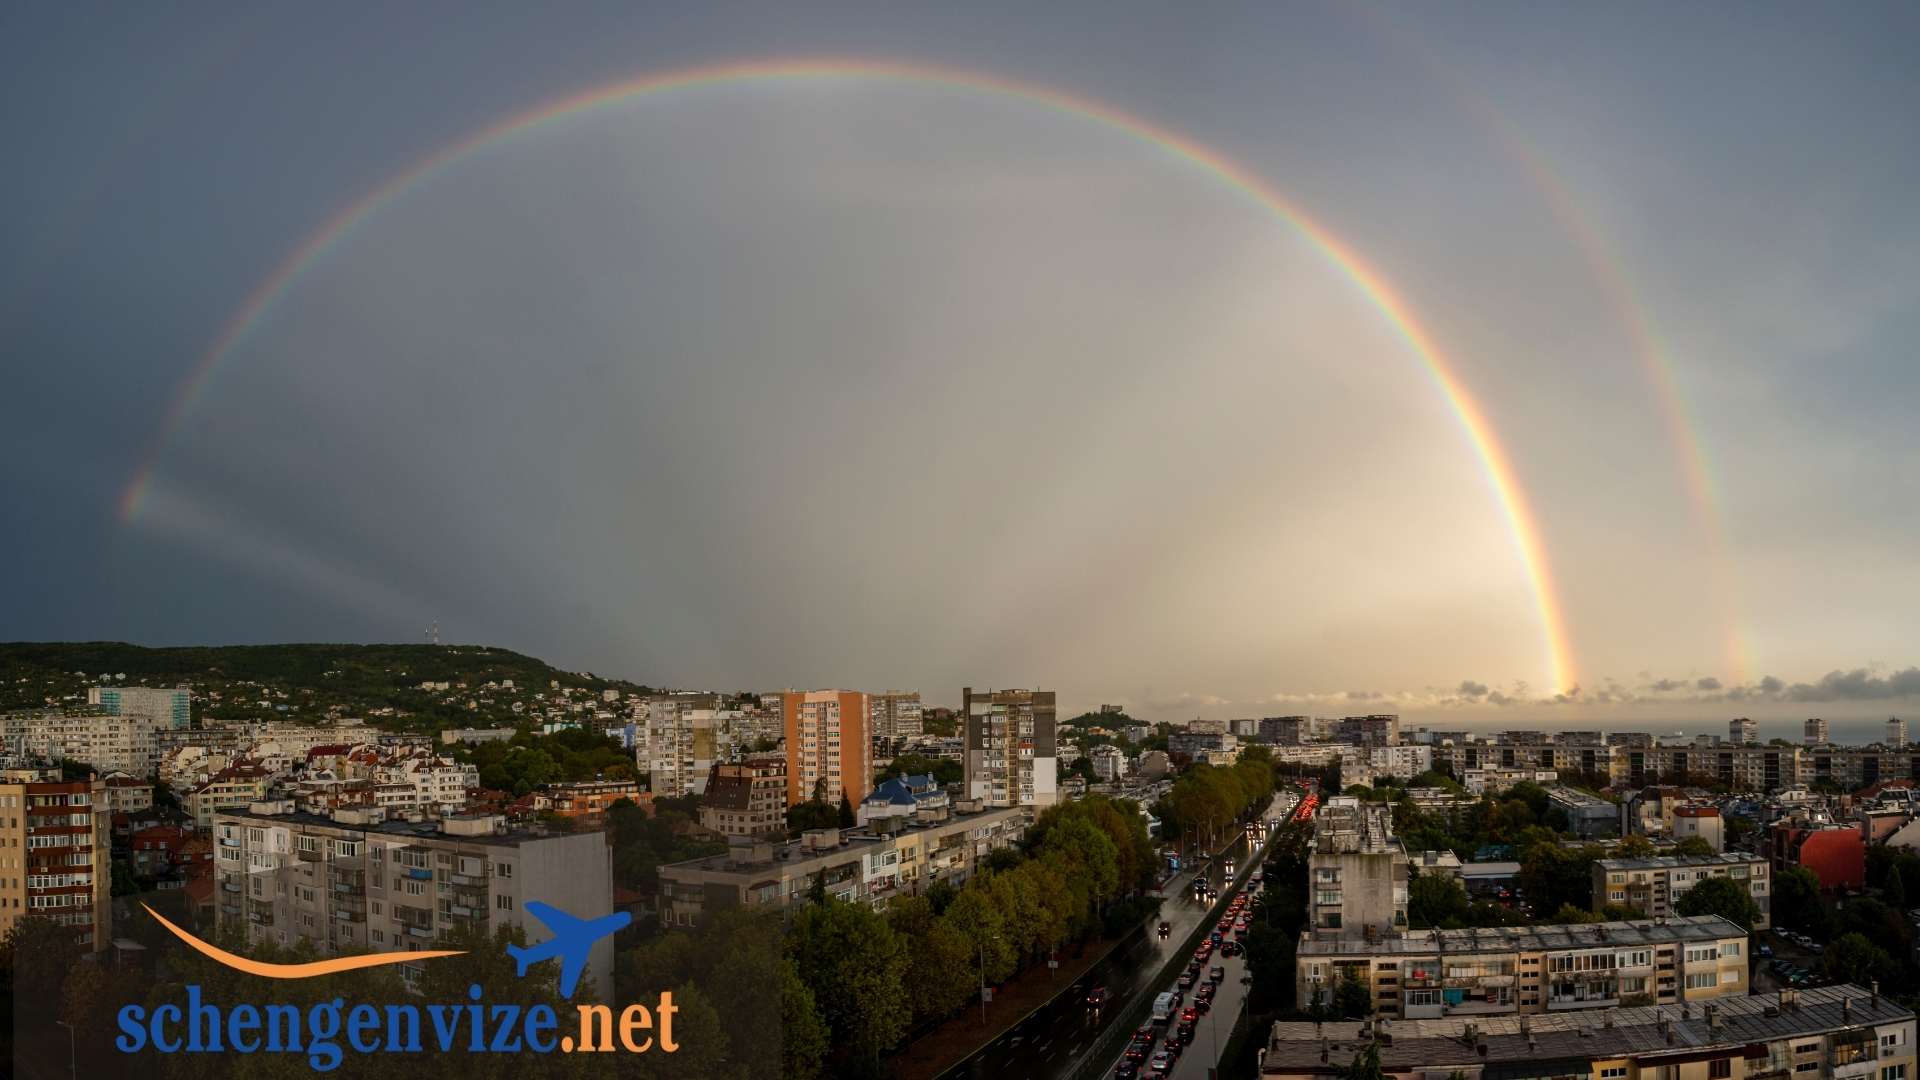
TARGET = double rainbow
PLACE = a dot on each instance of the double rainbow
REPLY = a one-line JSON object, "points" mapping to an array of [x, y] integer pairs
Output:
{"points": [[1494, 459]]}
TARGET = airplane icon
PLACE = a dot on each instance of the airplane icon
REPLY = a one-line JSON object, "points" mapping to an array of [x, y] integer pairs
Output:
{"points": [[570, 941]]}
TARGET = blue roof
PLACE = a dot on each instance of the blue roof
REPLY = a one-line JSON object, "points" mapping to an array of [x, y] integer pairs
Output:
{"points": [[899, 791]]}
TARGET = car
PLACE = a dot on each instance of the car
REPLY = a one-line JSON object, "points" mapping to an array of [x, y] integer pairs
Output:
{"points": [[1219, 975], [1817, 948], [1204, 1004], [1126, 1070], [1136, 1051], [1162, 1063], [1186, 1028], [1231, 948], [1766, 951], [1166, 929], [1097, 997], [1174, 1044], [1188, 1015], [1216, 937]]}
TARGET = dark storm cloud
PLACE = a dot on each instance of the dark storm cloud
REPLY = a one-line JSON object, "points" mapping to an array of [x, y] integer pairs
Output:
{"points": [[1472, 690], [1707, 682], [1858, 685]]}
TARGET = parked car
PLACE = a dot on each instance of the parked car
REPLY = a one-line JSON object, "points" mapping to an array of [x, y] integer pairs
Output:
{"points": [[1766, 951]]}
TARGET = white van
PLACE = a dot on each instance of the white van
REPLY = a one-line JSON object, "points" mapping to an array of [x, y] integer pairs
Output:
{"points": [[1163, 1007]]}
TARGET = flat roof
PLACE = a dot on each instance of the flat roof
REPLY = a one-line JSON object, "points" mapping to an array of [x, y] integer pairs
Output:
{"points": [[1584, 1035], [402, 830], [1549, 938], [1670, 862]]}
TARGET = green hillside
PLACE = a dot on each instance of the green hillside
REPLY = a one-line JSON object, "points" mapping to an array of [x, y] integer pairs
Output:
{"points": [[307, 682]]}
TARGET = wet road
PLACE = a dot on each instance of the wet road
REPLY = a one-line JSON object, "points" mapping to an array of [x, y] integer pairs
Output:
{"points": [[1051, 1043]]}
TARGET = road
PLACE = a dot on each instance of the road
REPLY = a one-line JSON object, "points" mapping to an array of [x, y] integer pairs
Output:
{"points": [[1051, 1042]]}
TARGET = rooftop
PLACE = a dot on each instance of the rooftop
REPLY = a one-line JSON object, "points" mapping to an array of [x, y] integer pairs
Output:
{"points": [[1414, 1045], [424, 830], [1669, 862], [1550, 938]]}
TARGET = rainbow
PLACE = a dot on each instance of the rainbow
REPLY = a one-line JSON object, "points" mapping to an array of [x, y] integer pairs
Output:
{"points": [[1616, 285], [1497, 465]]}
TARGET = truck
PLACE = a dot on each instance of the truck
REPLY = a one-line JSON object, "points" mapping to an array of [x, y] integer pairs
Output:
{"points": [[1163, 1007]]}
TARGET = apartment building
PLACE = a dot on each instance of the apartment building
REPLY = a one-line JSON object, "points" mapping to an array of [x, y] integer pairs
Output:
{"points": [[1816, 733], [105, 741], [1377, 730], [1588, 815], [1357, 870], [896, 715], [1010, 747], [1700, 823], [1285, 730], [746, 798], [1896, 733], [1833, 1033], [1424, 974], [56, 839], [232, 788], [171, 706], [128, 795], [870, 865], [1656, 883], [1742, 731], [828, 744], [1494, 779], [684, 735], [355, 882]]}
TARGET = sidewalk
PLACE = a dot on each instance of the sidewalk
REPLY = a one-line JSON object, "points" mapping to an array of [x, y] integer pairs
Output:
{"points": [[959, 1038]]}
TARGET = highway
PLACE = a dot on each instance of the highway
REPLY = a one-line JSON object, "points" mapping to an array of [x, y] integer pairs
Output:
{"points": [[1051, 1042]]}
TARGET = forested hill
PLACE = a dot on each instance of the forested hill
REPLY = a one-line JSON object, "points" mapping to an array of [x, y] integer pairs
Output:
{"points": [[298, 681]]}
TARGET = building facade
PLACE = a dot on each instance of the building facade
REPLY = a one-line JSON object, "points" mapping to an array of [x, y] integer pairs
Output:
{"points": [[1425, 974], [352, 882], [1833, 1033], [869, 866], [1357, 871], [56, 839], [1010, 747], [171, 707], [746, 798], [1816, 733], [896, 715], [828, 745], [1656, 883]]}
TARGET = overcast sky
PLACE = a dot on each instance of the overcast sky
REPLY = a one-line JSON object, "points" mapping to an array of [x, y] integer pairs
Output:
{"points": [[874, 382]]}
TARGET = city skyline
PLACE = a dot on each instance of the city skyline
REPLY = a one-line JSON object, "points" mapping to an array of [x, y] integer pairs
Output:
{"points": [[1360, 360]]}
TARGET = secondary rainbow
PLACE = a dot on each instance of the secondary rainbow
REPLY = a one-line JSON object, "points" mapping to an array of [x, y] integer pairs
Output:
{"points": [[1498, 467]]}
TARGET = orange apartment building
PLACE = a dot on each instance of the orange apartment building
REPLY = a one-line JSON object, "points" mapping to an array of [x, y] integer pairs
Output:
{"points": [[827, 740]]}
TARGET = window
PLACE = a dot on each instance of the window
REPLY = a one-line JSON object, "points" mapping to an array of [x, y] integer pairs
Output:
{"points": [[1729, 977], [1730, 948], [1807, 1066], [503, 902], [1701, 980], [1889, 1040], [1617, 1072], [1894, 1072], [1719, 1069]]}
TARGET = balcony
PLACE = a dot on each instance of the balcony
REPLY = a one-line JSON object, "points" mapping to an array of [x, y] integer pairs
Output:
{"points": [[418, 874], [419, 932]]}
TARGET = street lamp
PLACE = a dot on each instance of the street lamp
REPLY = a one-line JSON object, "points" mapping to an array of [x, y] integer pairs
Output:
{"points": [[73, 1069]]}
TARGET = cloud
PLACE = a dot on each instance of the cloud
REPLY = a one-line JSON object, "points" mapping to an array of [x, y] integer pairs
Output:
{"points": [[1473, 690], [1771, 685], [1706, 683], [1667, 686], [1858, 685]]}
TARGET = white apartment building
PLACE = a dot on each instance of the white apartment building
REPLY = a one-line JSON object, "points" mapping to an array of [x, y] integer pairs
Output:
{"points": [[683, 736], [895, 715], [1010, 747], [1656, 883], [107, 742], [354, 882], [1425, 974]]}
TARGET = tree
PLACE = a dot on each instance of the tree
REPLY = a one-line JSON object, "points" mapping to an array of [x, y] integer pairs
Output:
{"points": [[1894, 892], [1366, 1064], [847, 819], [938, 977], [1693, 846], [1721, 896], [855, 965], [1353, 1000], [1854, 959], [1436, 901], [1633, 847], [803, 1035], [1796, 902]]}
